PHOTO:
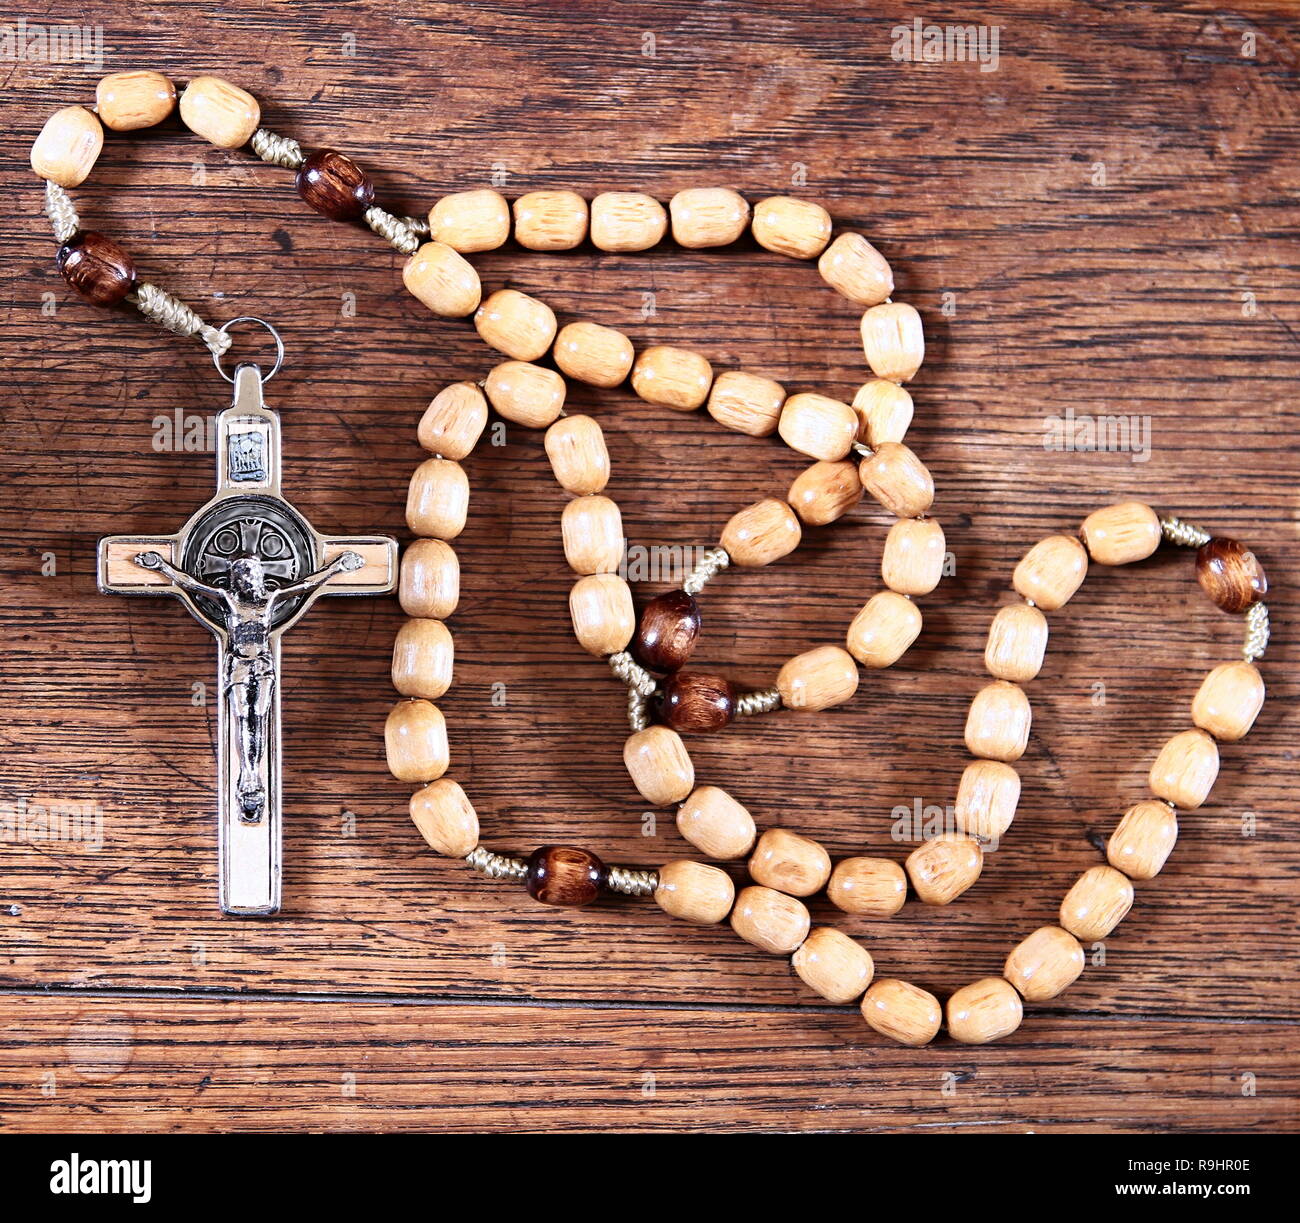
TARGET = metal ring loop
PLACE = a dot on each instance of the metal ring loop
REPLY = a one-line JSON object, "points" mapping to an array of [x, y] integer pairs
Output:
{"points": [[224, 329]]}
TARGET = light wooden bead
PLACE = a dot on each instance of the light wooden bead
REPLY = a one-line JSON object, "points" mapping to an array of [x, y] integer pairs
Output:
{"points": [[69, 145], [833, 965], [694, 891], [673, 377], [1121, 534], [659, 765], [818, 426], [761, 533], [884, 412], [454, 421], [984, 1011], [997, 726], [824, 492], [529, 395], [550, 220], [855, 269], [128, 101], [429, 586], [446, 818], [600, 607], [422, 659], [902, 1011], [579, 458], [1051, 571], [626, 221], [443, 280], [470, 221], [882, 631], [437, 501], [1143, 840], [592, 529], [1097, 903], [708, 216], [874, 886], [593, 354], [1045, 964], [1185, 770], [798, 228], [516, 324], [986, 799], [747, 403], [1017, 642], [789, 863], [222, 113], [898, 480], [1229, 700], [943, 867], [818, 679], [770, 920], [716, 824], [415, 739], [894, 340], [912, 562]]}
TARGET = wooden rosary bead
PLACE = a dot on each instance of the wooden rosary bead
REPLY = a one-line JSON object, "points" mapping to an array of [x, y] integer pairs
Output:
{"points": [[761, 533], [68, 146], [856, 270], [1121, 534], [884, 412], [564, 875], [695, 701], [128, 101], [876, 887], [882, 631], [986, 799], [1017, 642], [818, 426], [669, 628], [516, 324], [672, 377], [1143, 839], [943, 867], [593, 354], [984, 1011], [470, 221], [818, 679], [912, 562], [429, 585], [1051, 571], [898, 480], [824, 492], [1185, 770], [528, 395], [600, 607], [902, 1011], [423, 653], [1229, 700], [708, 216], [443, 280], [550, 220], [579, 457], [415, 740], [1045, 964], [997, 726], [446, 818], [894, 340], [1097, 903], [592, 529], [626, 221], [716, 824], [695, 892], [798, 228], [335, 186], [100, 270], [832, 964], [454, 421], [1230, 573], [771, 920], [659, 765], [222, 113], [789, 863], [437, 502], [746, 403]]}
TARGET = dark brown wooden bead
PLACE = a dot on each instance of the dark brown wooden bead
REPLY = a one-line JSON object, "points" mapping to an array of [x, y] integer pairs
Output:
{"points": [[335, 185], [564, 875], [1230, 574], [699, 702], [99, 269], [669, 626]]}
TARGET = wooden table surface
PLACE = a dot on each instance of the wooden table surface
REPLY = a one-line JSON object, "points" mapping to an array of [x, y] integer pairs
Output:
{"points": [[1105, 224]]}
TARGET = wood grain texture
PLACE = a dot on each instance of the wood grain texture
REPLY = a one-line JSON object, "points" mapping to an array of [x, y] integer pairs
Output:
{"points": [[1104, 225]]}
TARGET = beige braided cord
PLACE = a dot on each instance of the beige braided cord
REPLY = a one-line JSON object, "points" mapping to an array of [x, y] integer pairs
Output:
{"points": [[395, 230], [63, 216], [1257, 633], [1183, 534], [170, 312], [631, 882], [277, 150]]}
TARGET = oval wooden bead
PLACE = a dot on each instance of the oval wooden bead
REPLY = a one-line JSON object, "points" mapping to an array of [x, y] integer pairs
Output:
{"points": [[659, 765], [1017, 642], [798, 228], [579, 457], [68, 146], [443, 280], [1121, 534], [429, 585], [592, 529], [984, 1011], [761, 533], [884, 410], [100, 270], [564, 875], [422, 659], [437, 501], [600, 607], [818, 679], [997, 726], [746, 403], [987, 796], [415, 740], [454, 421], [470, 221], [856, 270], [626, 221], [833, 965], [516, 324], [912, 561], [446, 818], [1045, 964], [876, 887], [334, 185], [1051, 571], [818, 426], [695, 701], [825, 492], [669, 628], [716, 824], [1185, 770], [771, 920], [789, 863], [1230, 574], [1097, 903], [1143, 839], [529, 395], [673, 377], [128, 101], [894, 340], [898, 480], [600, 356], [882, 631], [1229, 700], [943, 867], [550, 220], [222, 113], [694, 891], [902, 1011], [708, 216]]}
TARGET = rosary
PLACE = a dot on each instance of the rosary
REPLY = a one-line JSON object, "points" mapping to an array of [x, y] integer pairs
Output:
{"points": [[247, 565]]}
